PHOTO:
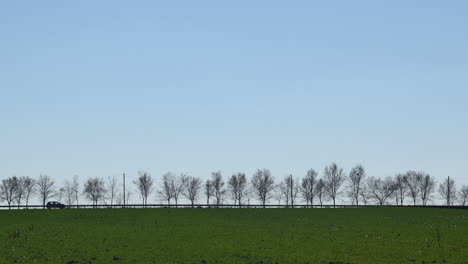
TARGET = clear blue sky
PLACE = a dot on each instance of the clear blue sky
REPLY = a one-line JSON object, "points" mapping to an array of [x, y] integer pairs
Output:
{"points": [[97, 88]]}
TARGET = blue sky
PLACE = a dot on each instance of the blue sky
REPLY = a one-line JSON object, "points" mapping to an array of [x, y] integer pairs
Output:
{"points": [[97, 89]]}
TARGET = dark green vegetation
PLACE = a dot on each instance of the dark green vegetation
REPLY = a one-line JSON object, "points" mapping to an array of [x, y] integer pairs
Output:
{"points": [[365, 235]]}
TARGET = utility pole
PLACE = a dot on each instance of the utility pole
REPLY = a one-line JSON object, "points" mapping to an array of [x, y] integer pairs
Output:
{"points": [[124, 190]]}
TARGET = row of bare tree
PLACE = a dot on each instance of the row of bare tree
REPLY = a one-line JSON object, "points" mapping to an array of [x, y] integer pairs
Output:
{"points": [[334, 183]]}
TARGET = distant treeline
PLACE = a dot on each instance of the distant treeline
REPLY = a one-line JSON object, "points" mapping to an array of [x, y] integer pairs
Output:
{"points": [[415, 187]]}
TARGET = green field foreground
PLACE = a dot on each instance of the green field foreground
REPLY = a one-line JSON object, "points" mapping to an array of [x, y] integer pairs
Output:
{"points": [[363, 235]]}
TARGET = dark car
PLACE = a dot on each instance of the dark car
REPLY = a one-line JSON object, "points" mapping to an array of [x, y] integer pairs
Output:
{"points": [[52, 205]]}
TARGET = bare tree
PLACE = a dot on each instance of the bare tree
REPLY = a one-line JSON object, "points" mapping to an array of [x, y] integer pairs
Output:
{"points": [[60, 193], [237, 185], [334, 178], [448, 191], [249, 193], [178, 187], [412, 180], [128, 194], [69, 192], [20, 190], [308, 186], [232, 188], [278, 194], [320, 191], [401, 188], [8, 190], [172, 187], [29, 185], [45, 188], [192, 186], [76, 189], [167, 188], [112, 188], [426, 186], [144, 184], [94, 189], [208, 191], [380, 189], [218, 186], [118, 197], [291, 189], [283, 188], [364, 194], [463, 194], [263, 184], [242, 187], [355, 179]]}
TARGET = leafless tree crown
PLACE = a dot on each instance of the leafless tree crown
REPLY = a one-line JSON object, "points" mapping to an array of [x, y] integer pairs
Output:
{"points": [[192, 186], [45, 188], [217, 184], [167, 187], [263, 184], [144, 184], [308, 186], [237, 185], [355, 179], [94, 189], [448, 191], [380, 189], [334, 178]]}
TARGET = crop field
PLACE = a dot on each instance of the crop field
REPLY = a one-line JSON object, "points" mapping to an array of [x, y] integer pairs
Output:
{"points": [[364, 235]]}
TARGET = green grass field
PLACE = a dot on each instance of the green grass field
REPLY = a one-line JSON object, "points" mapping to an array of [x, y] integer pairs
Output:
{"points": [[365, 235]]}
